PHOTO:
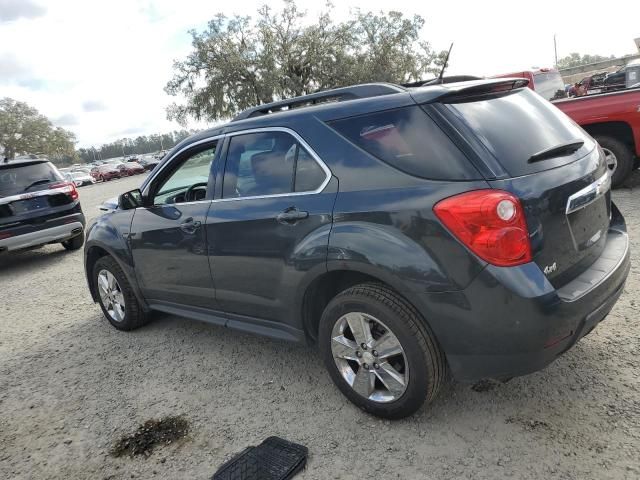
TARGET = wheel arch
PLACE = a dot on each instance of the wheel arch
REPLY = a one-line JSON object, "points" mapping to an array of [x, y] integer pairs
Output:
{"points": [[322, 289], [619, 130]]}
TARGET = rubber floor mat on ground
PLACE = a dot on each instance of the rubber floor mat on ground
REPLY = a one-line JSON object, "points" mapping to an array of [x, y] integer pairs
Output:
{"points": [[273, 459]]}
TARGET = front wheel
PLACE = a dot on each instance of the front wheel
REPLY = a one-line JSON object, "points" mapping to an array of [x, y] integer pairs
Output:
{"points": [[379, 351], [116, 297]]}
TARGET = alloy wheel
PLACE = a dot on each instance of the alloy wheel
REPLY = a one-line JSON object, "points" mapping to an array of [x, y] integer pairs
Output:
{"points": [[111, 295], [611, 159], [369, 357]]}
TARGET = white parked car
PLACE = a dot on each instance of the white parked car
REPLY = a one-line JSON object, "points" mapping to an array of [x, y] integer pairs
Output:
{"points": [[79, 178]]}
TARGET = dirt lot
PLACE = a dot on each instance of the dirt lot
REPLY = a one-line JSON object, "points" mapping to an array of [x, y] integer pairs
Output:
{"points": [[71, 386]]}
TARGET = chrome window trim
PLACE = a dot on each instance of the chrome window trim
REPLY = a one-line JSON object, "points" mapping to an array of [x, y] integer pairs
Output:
{"points": [[590, 193], [302, 142], [291, 132], [154, 174]]}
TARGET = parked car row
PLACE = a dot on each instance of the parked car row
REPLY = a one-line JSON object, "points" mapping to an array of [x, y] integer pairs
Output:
{"points": [[111, 171]]}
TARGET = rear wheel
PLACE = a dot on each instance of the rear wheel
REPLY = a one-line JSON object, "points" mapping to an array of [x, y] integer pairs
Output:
{"points": [[379, 352], [116, 297], [619, 158], [74, 243]]}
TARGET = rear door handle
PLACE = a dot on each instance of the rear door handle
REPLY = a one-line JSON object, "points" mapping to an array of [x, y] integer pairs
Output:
{"points": [[291, 215], [189, 226]]}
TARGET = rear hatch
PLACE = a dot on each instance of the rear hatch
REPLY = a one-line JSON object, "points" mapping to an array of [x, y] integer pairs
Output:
{"points": [[553, 166], [32, 192]]}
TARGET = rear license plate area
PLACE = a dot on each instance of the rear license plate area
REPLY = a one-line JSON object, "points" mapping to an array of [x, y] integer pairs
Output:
{"points": [[29, 205], [589, 224]]}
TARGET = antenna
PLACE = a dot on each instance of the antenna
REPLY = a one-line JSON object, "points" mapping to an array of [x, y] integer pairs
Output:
{"points": [[446, 60]]}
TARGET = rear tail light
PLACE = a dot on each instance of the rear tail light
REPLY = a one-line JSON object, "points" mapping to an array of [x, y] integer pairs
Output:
{"points": [[490, 223], [67, 187]]}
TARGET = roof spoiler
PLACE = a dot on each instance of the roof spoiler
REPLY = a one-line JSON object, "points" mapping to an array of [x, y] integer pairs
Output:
{"points": [[440, 81], [467, 91], [336, 95]]}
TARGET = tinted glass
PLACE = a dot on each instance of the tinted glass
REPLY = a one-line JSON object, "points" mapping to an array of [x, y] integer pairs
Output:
{"points": [[516, 126], [549, 85], [409, 140], [259, 164], [309, 174], [17, 179], [194, 170]]}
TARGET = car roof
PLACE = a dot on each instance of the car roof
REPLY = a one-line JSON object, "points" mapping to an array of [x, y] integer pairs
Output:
{"points": [[364, 98]]}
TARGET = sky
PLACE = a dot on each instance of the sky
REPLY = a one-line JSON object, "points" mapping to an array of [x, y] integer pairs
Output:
{"points": [[98, 68]]}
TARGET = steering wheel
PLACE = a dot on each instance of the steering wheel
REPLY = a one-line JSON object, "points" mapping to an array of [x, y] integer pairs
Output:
{"points": [[189, 195]]}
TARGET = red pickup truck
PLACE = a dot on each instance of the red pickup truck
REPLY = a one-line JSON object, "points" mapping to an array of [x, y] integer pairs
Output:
{"points": [[613, 119]]}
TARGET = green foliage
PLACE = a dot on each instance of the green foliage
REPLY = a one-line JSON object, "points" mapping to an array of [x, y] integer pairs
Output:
{"points": [[24, 130], [576, 60], [238, 62], [134, 146]]}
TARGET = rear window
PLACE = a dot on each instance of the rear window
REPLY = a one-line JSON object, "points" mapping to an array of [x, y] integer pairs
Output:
{"points": [[16, 179], [516, 126], [549, 85], [409, 140]]}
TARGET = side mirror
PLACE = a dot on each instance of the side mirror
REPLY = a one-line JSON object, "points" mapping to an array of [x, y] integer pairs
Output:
{"points": [[131, 200]]}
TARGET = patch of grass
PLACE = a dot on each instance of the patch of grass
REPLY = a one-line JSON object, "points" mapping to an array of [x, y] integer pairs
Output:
{"points": [[151, 434]]}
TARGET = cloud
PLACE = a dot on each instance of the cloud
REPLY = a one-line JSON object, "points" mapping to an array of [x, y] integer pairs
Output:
{"points": [[12, 69], [66, 120], [93, 106], [127, 132], [16, 9], [15, 72]]}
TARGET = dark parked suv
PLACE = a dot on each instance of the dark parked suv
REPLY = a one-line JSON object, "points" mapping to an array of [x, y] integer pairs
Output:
{"points": [[409, 232], [37, 206]]}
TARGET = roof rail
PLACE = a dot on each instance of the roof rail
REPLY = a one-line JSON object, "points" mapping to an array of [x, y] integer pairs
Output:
{"points": [[336, 95]]}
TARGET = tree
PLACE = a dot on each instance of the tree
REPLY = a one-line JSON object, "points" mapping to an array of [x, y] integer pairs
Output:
{"points": [[24, 130], [575, 60], [237, 63], [134, 146]]}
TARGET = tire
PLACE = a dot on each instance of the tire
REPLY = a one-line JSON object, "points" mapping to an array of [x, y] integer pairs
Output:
{"points": [[421, 356], [74, 243], [132, 315], [623, 156], [101, 178]]}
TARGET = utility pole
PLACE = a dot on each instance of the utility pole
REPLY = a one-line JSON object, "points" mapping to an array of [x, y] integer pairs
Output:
{"points": [[93, 150], [122, 145], [555, 48]]}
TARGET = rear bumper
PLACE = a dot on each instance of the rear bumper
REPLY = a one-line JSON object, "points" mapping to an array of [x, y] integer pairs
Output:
{"points": [[512, 321], [53, 231]]}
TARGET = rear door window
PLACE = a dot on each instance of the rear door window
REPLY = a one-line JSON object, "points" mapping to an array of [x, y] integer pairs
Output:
{"points": [[514, 127], [409, 140], [269, 163]]}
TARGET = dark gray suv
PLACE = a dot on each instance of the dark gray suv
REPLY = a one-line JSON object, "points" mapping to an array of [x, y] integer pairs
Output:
{"points": [[38, 206], [408, 232]]}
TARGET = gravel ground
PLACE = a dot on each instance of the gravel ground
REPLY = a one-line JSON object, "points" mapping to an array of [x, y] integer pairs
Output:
{"points": [[71, 386]]}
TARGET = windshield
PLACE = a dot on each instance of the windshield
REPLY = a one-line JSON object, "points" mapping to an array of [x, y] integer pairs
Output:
{"points": [[549, 85], [19, 178]]}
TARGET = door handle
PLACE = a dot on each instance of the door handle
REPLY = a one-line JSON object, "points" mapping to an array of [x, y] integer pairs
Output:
{"points": [[291, 215], [189, 226]]}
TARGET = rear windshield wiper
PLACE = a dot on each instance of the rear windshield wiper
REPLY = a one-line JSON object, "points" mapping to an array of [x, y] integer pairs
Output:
{"points": [[557, 151], [37, 182]]}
